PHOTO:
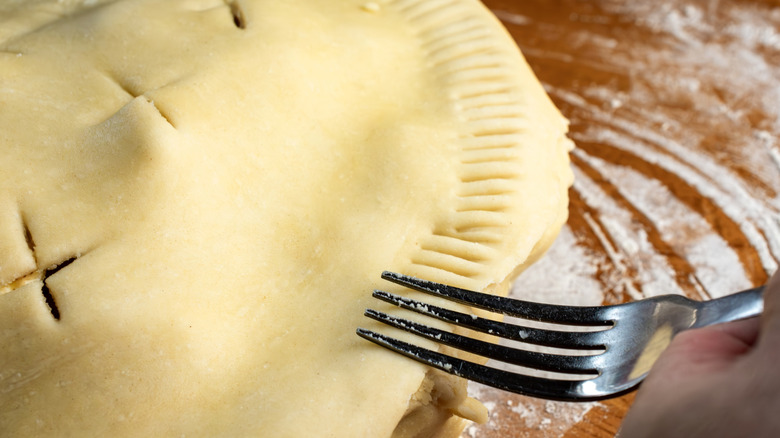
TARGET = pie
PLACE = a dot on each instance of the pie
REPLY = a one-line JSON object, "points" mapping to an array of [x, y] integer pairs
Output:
{"points": [[198, 196]]}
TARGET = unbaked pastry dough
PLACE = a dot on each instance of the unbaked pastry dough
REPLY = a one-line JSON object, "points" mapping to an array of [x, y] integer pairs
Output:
{"points": [[197, 197]]}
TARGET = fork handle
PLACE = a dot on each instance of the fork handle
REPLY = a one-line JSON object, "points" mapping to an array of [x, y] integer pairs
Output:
{"points": [[740, 305]]}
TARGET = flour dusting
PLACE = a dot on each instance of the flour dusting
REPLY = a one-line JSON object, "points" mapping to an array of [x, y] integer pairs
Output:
{"points": [[675, 112]]}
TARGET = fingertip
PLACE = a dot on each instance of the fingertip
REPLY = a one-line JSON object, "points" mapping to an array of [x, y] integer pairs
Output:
{"points": [[745, 330], [710, 348]]}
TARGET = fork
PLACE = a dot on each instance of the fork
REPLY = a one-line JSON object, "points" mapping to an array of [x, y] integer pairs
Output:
{"points": [[611, 358]]}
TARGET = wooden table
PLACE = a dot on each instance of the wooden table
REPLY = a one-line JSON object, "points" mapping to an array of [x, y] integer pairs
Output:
{"points": [[674, 108]]}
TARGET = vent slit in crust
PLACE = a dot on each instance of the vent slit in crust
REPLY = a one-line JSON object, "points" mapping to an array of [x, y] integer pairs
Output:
{"points": [[21, 280], [130, 92], [238, 15], [55, 311], [28, 236], [162, 114], [123, 84]]}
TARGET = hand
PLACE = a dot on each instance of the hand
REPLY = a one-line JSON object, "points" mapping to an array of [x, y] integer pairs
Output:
{"points": [[719, 381]]}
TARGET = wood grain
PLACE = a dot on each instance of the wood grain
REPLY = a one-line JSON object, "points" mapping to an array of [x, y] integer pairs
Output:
{"points": [[674, 108]]}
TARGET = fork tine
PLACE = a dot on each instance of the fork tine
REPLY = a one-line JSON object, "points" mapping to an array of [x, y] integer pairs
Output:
{"points": [[542, 361], [585, 315], [551, 389], [536, 336]]}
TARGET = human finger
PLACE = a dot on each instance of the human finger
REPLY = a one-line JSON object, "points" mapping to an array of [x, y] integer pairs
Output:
{"points": [[704, 350], [745, 331]]}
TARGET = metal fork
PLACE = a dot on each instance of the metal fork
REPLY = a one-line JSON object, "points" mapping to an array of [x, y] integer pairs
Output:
{"points": [[610, 361]]}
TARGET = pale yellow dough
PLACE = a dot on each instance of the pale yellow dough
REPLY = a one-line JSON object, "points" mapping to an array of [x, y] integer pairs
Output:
{"points": [[230, 179]]}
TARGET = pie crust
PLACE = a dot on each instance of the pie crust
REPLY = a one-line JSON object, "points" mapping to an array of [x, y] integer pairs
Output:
{"points": [[197, 197]]}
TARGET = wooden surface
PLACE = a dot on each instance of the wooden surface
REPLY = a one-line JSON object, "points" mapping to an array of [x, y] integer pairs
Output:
{"points": [[674, 108]]}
